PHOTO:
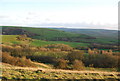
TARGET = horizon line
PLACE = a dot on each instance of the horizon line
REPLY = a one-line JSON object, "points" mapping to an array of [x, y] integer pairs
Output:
{"points": [[61, 27]]}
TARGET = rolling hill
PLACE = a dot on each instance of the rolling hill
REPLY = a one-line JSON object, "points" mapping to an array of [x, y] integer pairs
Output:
{"points": [[46, 34], [98, 33], [12, 39], [88, 36]]}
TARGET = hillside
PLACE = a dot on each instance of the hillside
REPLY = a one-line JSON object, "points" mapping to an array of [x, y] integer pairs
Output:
{"points": [[44, 53], [12, 39], [106, 35], [99, 33], [45, 34], [68, 35]]}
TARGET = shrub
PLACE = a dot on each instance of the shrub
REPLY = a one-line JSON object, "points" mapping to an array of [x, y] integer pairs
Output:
{"points": [[24, 62], [75, 55], [61, 47], [43, 59], [62, 64], [101, 60], [78, 65]]}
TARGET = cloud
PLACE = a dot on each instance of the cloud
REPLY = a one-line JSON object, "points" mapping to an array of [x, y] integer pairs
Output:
{"points": [[3, 17], [77, 25], [67, 15]]}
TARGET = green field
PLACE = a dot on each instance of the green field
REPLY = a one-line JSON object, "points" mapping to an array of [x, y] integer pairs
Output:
{"points": [[49, 34], [72, 44], [12, 39], [46, 34]]}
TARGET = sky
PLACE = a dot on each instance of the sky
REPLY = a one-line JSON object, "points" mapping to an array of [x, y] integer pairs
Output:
{"points": [[94, 14]]}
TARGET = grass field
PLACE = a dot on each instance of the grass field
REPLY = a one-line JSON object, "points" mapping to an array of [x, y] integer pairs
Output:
{"points": [[12, 39], [72, 44], [11, 72], [50, 34]]}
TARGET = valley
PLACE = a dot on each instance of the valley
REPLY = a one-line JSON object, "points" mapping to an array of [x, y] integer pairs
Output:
{"points": [[47, 53]]}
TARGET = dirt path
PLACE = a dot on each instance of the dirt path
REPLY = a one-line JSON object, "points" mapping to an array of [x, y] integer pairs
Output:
{"points": [[41, 64], [59, 70]]}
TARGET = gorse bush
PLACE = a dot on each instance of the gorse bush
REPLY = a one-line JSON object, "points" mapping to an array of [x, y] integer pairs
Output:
{"points": [[23, 61], [43, 59], [61, 64], [53, 53], [39, 54], [75, 55], [18, 50], [101, 60], [78, 65], [62, 47]]}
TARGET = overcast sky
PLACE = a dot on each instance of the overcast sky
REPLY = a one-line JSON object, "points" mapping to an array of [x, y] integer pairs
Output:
{"points": [[100, 14]]}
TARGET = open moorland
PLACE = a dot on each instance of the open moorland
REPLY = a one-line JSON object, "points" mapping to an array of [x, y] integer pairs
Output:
{"points": [[49, 53]]}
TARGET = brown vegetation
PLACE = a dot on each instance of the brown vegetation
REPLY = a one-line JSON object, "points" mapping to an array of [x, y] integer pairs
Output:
{"points": [[75, 55], [7, 58], [53, 53], [78, 65], [62, 64]]}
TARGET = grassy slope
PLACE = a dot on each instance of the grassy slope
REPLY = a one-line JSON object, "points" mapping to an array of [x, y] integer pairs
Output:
{"points": [[72, 44], [104, 36], [12, 39], [13, 72], [100, 33], [50, 34]]}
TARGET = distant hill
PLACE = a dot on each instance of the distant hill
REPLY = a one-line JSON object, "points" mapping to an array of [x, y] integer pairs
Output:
{"points": [[45, 34], [98, 33], [61, 34], [102, 34]]}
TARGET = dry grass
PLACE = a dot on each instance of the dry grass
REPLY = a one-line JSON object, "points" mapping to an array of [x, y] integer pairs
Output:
{"points": [[8, 66], [15, 72]]}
